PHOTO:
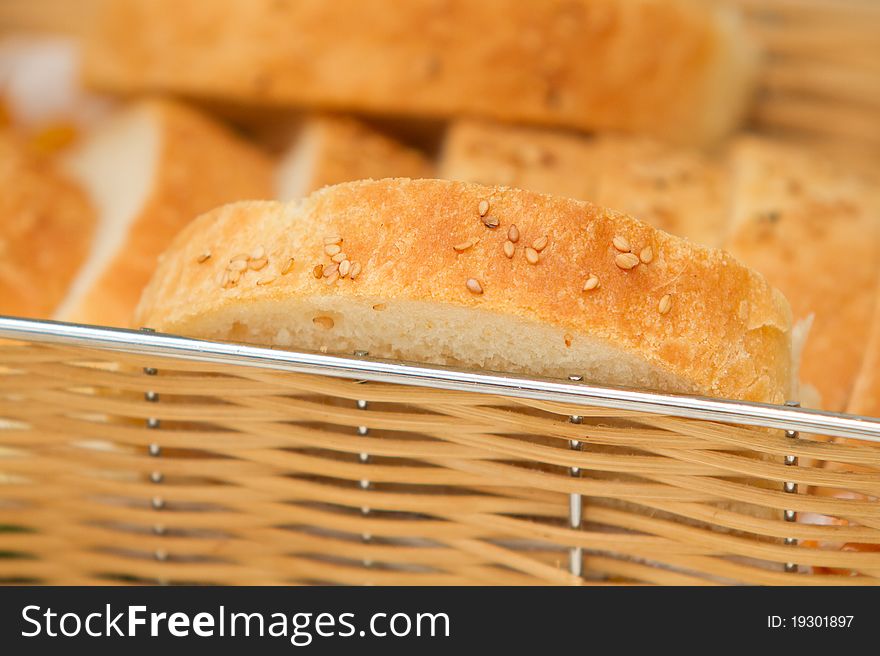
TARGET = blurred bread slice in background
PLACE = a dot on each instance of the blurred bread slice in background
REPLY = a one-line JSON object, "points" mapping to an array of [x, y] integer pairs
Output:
{"points": [[326, 150], [679, 69], [676, 189], [811, 226], [680, 190], [150, 170], [556, 162], [46, 226]]}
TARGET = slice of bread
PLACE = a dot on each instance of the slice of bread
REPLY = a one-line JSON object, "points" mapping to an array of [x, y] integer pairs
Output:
{"points": [[555, 162], [46, 225], [675, 68], [683, 191], [679, 190], [327, 150], [150, 170], [812, 227], [432, 283]]}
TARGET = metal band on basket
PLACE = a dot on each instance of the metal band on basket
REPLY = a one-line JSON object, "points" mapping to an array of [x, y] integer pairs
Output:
{"points": [[575, 500], [791, 487], [364, 457], [155, 451]]}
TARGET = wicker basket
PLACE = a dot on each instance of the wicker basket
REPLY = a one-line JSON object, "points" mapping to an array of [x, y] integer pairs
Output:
{"points": [[133, 457]]}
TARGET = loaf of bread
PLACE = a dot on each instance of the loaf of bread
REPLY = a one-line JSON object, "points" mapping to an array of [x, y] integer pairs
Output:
{"points": [[326, 150], [150, 170], [812, 228], [46, 225], [679, 190], [865, 397], [676, 68], [485, 277]]}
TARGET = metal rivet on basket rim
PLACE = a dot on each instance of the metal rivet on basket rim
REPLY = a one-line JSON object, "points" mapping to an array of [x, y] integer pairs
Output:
{"points": [[155, 450], [158, 503], [157, 477]]}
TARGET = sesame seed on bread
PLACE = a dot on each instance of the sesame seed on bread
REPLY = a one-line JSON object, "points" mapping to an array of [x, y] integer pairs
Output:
{"points": [[681, 190], [684, 318]]}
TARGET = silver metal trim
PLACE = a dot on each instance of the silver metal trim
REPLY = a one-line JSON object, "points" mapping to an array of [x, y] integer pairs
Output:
{"points": [[383, 371], [155, 451], [575, 500], [791, 488]]}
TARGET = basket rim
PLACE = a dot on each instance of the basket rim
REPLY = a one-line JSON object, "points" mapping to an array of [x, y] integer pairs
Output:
{"points": [[360, 366]]}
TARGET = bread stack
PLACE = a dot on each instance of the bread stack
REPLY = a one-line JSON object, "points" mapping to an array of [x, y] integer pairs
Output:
{"points": [[572, 70], [628, 105], [543, 187]]}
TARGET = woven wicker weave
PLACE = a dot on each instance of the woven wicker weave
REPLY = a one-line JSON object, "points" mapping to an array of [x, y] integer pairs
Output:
{"points": [[114, 471]]}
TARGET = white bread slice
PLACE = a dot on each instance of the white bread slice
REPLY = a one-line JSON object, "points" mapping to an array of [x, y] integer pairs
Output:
{"points": [[679, 190], [812, 227], [327, 150], [687, 319], [150, 169], [672, 68], [46, 225]]}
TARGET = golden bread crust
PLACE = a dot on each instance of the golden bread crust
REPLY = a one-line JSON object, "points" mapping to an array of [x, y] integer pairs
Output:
{"points": [[679, 190], [723, 328], [641, 65]]}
